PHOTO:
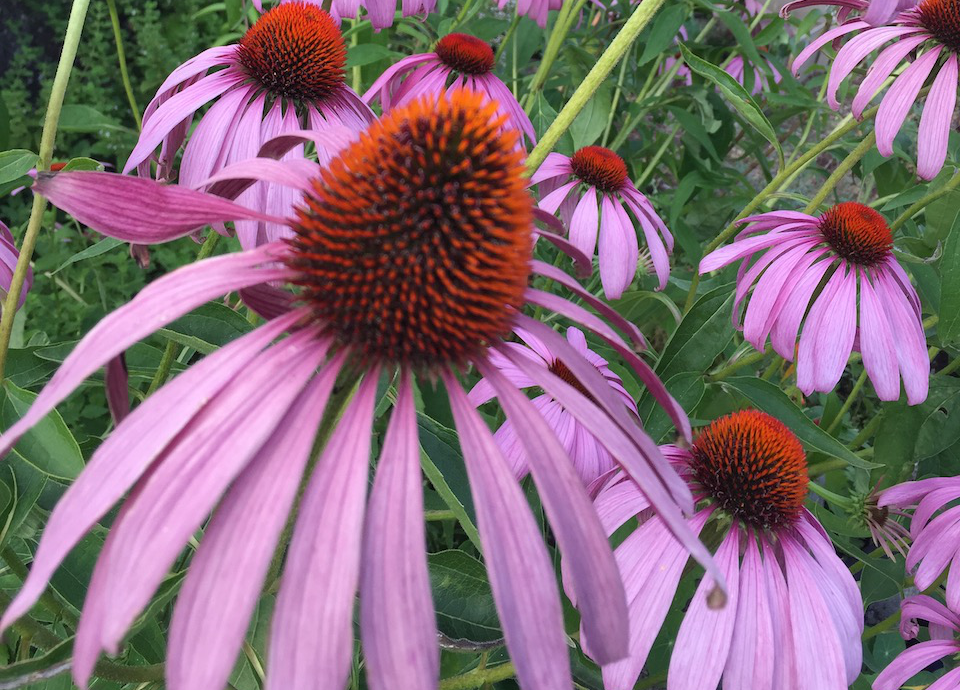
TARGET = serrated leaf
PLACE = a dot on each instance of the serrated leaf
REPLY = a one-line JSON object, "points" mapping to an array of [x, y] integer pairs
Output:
{"points": [[948, 329], [739, 98], [15, 164], [463, 598], [48, 446], [769, 398]]}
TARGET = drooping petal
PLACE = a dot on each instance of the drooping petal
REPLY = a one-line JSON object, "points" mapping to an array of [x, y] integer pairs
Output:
{"points": [[912, 661], [825, 38], [312, 635], [876, 344], [883, 66], [592, 570], [115, 384], [615, 272], [751, 661], [900, 98], [190, 478], [524, 586], [161, 302], [138, 210], [935, 121], [127, 453], [586, 223], [703, 642], [225, 577], [397, 622]]}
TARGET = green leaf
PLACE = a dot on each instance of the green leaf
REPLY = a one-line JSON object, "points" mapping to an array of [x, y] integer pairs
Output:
{"points": [[897, 439], [687, 388], [25, 486], [101, 247], [739, 98], [48, 446], [442, 463], [769, 398], [205, 329], [15, 164], [702, 335], [939, 429], [367, 54], [83, 118], [592, 120], [542, 116], [948, 329], [665, 29], [463, 598]]}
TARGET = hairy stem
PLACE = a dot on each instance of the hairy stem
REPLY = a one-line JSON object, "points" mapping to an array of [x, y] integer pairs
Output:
{"points": [[846, 165], [71, 41], [925, 201], [479, 677], [608, 60]]}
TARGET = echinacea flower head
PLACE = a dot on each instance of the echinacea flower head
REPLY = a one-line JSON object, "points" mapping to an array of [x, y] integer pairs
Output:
{"points": [[411, 257], [943, 624], [590, 458], [286, 74], [457, 61], [793, 615], [595, 197], [836, 275], [9, 255], [934, 528], [379, 12], [930, 32]]}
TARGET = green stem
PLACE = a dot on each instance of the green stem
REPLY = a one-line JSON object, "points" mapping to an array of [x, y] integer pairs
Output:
{"points": [[462, 15], [170, 351], [122, 57], [865, 433], [608, 60], [826, 466], [848, 403], [774, 186], [652, 165], [744, 361], [882, 626], [828, 495], [561, 27], [924, 202], [479, 677], [950, 368], [615, 102], [846, 165], [507, 37], [71, 42]]}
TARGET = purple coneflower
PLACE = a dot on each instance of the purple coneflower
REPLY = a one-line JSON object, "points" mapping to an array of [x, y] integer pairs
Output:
{"points": [[590, 458], [572, 184], [787, 255], [412, 257], [929, 31], [458, 60], [943, 625], [9, 255], [379, 12], [935, 529], [285, 75], [794, 615]]}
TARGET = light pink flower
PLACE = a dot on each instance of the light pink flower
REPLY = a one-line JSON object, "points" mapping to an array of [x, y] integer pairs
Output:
{"points": [[793, 615], [788, 255], [285, 75], [571, 185], [760, 81], [943, 624], [590, 458], [412, 258], [9, 255], [935, 529], [457, 61], [929, 31]]}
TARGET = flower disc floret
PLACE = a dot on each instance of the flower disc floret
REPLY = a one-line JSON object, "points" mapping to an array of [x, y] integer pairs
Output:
{"points": [[465, 54], [753, 467], [857, 233], [295, 51], [942, 19], [414, 246], [599, 167]]}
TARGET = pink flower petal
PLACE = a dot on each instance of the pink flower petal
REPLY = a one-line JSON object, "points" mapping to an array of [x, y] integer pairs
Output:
{"points": [[935, 120], [900, 98]]}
